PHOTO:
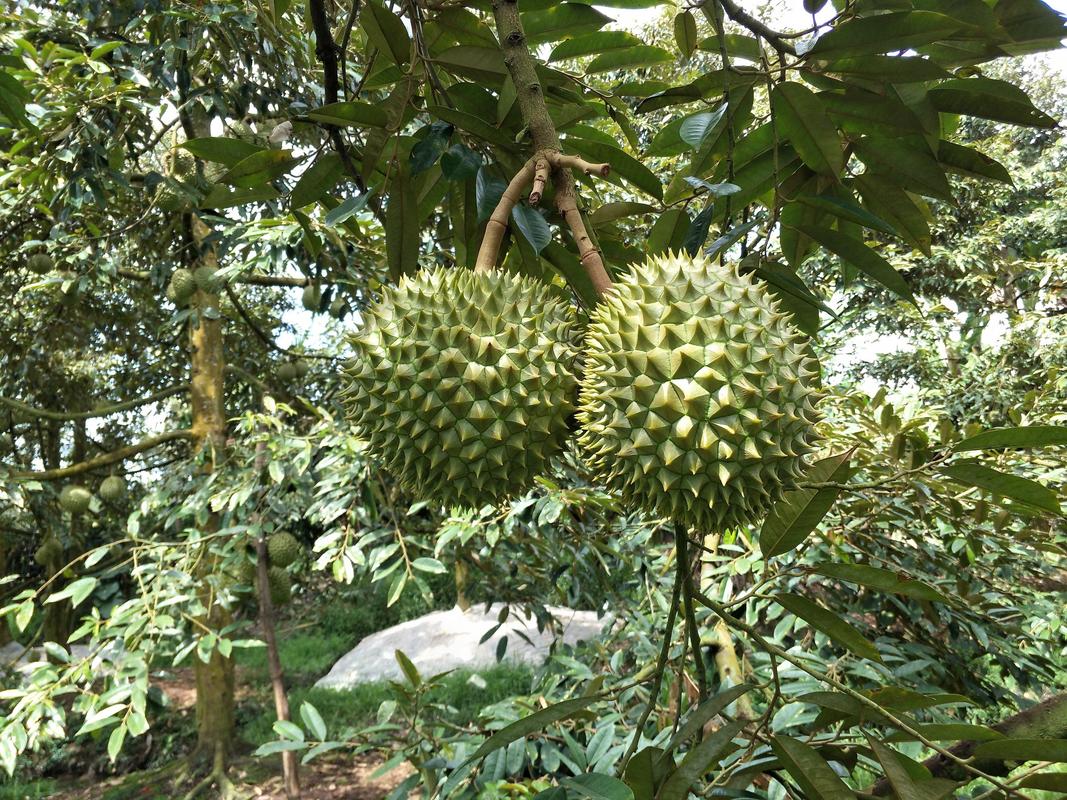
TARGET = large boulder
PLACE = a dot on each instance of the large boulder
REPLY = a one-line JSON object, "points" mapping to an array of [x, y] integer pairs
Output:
{"points": [[447, 640]]}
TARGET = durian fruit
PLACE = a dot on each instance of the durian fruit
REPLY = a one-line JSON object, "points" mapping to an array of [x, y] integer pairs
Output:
{"points": [[75, 499], [281, 587], [205, 280], [113, 488], [697, 398], [338, 308], [69, 289], [302, 368], [246, 573], [462, 382], [311, 299], [40, 263], [49, 552], [283, 549], [182, 286], [287, 371]]}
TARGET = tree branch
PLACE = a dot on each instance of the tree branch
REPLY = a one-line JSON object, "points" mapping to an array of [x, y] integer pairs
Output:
{"points": [[498, 222], [99, 412], [738, 15], [105, 459], [253, 280]]}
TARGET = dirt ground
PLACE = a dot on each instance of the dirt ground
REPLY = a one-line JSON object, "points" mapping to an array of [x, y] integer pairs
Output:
{"points": [[339, 779]]}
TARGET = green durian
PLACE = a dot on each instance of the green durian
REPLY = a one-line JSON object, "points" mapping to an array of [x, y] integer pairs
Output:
{"points": [[311, 298], [338, 308], [205, 280], [182, 286], [49, 552], [287, 371], [462, 382], [75, 499], [697, 400], [281, 586], [113, 488], [40, 263], [283, 549]]}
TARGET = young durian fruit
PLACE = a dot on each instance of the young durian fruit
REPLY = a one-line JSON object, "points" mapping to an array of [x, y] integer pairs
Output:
{"points": [[462, 382], [75, 499], [113, 488], [697, 399], [283, 549]]}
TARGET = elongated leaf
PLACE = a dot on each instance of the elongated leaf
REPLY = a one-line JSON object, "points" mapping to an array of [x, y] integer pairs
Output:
{"points": [[1055, 782], [533, 226], [531, 724], [401, 226], [685, 32], [1003, 484], [883, 33], [883, 580], [904, 786], [488, 191], [705, 712], [668, 231], [698, 761], [810, 770], [970, 163], [1025, 436], [561, 21], [949, 732], [259, 168], [474, 62], [595, 786], [987, 98], [859, 255], [906, 162], [613, 211], [904, 212], [386, 31], [593, 44], [225, 197], [745, 47], [695, 129], [317, 180], [801, 118], [459, 162], [345, 210], [354, 114], [622, 163], [313, 720], [799, 511], [847, 210], [426, 152], [1024, 750], [642, 55], [890, 69], [472, 124], [829, 623], [13, 97], [221, 149]]}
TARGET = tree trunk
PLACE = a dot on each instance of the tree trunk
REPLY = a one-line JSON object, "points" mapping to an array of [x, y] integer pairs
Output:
{"points": [[214, 679]]}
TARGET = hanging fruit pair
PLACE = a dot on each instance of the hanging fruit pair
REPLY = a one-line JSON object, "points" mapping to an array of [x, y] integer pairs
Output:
{"points": [[696, 402]]}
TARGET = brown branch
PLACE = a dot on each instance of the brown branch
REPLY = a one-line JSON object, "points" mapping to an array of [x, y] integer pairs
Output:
{"points": [[530, 95], [105, 459], [252, 280], [1046, 720], [540, 178], [738, 15], [99, 412], [574, 162], [498, 222]]}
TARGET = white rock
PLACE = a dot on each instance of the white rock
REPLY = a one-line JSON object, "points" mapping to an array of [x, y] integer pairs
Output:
{"points": [[447, 640]]}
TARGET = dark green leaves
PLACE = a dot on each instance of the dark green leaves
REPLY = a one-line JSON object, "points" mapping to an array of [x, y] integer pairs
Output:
{"points": [[221, 149], [801, 118], [695, 129], [638, 56], [402, 236], [855, 252], [426, 151], [594, 44], [882, 580], [889, 69], [531, 724], [685, 32], [1026, 436], [795, 516], [810, 770], [385, 30], [596, 786], [884, 33], [622, 164], [906, 162], [259, 168], [992, 99], [1024, 750], [1000, 483], [317, 180], [353, 114], [829, 623], [13, 98], [698, 761], [533, 226], [562, 20], [459, 162]]}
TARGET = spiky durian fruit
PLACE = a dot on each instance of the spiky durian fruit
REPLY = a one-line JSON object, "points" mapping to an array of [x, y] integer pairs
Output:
{"points": [[205, 280], [182, 286], [698, 392], [462, 382], [49, 551], [311, 298], [40, 263], [283, 549], [75, 499], [113, 488], [280, 584]]}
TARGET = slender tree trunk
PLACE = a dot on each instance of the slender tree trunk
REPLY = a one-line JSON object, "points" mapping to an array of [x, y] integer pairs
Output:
{"points": [[215, 678]]}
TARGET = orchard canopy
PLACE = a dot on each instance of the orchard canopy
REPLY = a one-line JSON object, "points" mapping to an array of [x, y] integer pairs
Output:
{"points": [[743, 326]]}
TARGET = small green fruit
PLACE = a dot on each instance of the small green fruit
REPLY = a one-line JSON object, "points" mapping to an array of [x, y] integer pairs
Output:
{"points": [[75, 499], [302, 368], [49, 552], [205, 280], [287, 372], [113, 488], [182, 286], [281, 586], [283, 549], [40, 263], [311, 299], [338, 308]]}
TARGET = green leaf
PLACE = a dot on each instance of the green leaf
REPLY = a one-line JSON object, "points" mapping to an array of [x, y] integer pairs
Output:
{"points": [[270, 748], [810, 770], [906, 161], [999, 483], [385, 30], [402, 235], [622, 163], [313, 720], [13, 97], [431, 565], [533, 226], [1024, 750], [903, 211], [259, 168], [641, 773], [855, 252], [408, 668], [904, 786], [598, 787], [353, 114], [798, 512], [697, 233], [459, 162], [991, 99], [705, 712], [288, 730], [472, 61], [745, 47], [699, 761], [847, 210], [76, 591], [561, 21], [668, 231], [1025, 436], [221, 149], [883, 580], [695, 129], [970, 163], [685, 32], [593, 44], [114, 742], [882, 33], [488, 191], [889, 69], [641, 55], [531, 724], [472, 124], [801, 118], [350, 207], [609, 212], [948, 732], [426, 152], [829, 623], [1055, 782], [869, 113], [317, 180]]}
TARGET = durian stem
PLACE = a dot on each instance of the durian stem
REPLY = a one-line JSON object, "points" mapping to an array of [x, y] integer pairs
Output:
{"points": [[498, 222], [523, 70], [105, 459], [685, 578]]}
